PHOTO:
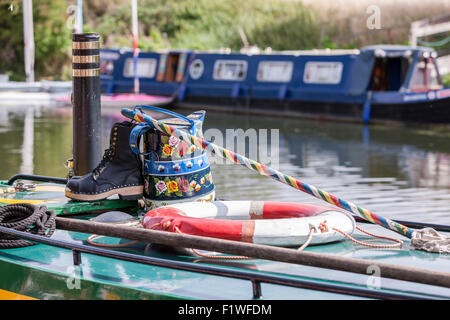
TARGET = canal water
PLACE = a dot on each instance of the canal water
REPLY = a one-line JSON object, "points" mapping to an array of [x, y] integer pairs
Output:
{"points": [[399, 172]]}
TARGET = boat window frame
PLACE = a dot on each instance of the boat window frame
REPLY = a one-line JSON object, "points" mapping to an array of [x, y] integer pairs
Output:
{"points": [[220, 61], [130, 60], [426, 64], [308, 63], [262, 62], [196, 74]]}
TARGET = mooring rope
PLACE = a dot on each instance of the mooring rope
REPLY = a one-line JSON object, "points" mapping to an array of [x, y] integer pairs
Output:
{"points": [[269, 172], [27, 218], [397, 244]]}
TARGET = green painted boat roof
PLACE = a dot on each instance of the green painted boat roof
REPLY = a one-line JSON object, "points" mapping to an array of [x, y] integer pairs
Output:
{"points": [[52, 195], [48, 272]]}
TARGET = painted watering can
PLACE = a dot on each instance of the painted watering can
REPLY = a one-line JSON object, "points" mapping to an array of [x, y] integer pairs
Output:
{"points": [[173, 170]]}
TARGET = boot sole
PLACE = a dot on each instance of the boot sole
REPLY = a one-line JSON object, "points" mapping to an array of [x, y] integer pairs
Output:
{"points": [[128, 193]]}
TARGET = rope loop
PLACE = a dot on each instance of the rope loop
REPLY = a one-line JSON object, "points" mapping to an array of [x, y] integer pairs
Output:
{"points": [[91, 239], [398, 243], [28, 218], [214, 257], [312, 230]]}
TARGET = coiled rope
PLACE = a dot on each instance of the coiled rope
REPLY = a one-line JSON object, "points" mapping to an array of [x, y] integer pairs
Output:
{"points": [[27, 218]]}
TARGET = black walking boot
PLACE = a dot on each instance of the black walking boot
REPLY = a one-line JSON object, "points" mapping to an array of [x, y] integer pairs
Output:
{"points": [[119, 172]]}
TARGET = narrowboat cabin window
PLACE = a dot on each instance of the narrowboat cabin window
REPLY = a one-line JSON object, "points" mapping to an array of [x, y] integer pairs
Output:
{"points": [[146, 68], [425, 76], [323, 72], [275, 71], [230, 70], [196, 69], [106, 67], [389, 73], [433, 76], [107, 62]]}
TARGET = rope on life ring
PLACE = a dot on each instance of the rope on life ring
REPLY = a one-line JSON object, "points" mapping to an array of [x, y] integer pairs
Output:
{"points": [[28, 218], [199, 219], [166, 226], [91, 239]]}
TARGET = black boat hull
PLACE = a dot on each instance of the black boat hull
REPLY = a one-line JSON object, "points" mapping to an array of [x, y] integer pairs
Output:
{"points": [[436, 111]]}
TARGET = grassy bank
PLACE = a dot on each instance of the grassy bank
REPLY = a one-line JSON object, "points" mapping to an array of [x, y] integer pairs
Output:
{"points": [[203, 25]]}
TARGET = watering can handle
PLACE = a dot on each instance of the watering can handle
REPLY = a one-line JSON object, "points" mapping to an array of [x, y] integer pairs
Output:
{"points": [[177, 115], [144, 127]]}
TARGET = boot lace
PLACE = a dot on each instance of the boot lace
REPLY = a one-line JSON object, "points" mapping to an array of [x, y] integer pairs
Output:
{"points": [[107, 156]]}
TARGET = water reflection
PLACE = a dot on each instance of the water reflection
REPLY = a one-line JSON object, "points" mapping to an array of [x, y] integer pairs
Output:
{"points": [[28, 142], [428, 169], [398, 172]]}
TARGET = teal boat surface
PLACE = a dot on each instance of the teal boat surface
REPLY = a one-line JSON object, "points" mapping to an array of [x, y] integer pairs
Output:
{"points": [[49, 271]]}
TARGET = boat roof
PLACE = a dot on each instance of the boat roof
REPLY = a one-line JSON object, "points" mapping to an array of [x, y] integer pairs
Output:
{"points": [[392, 51], [378, 50], [391, 48]]}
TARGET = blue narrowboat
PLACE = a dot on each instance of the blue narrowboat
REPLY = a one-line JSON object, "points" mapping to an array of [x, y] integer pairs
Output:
{"points": [[375, 83]]}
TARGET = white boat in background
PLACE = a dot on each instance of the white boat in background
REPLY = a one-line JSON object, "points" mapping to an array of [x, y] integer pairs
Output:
{"points": [[18, 86], [9, 98], [58, 93], [31, 92], [42, 92], [38, 86]]}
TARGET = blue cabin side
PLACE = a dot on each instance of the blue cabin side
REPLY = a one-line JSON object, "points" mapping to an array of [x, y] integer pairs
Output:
{"points": [[274, 76], [159, 73], [317, 76]]}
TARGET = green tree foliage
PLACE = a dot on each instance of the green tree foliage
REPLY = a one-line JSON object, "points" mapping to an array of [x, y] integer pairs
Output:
{"points": [[181, 24], [51, 35], [281, 27], [446, 80], [205, 24], [163, 24], [11, 41]]}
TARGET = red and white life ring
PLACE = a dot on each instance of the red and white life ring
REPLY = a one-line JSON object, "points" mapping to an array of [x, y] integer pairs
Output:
{"points": [[261, 222]]}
